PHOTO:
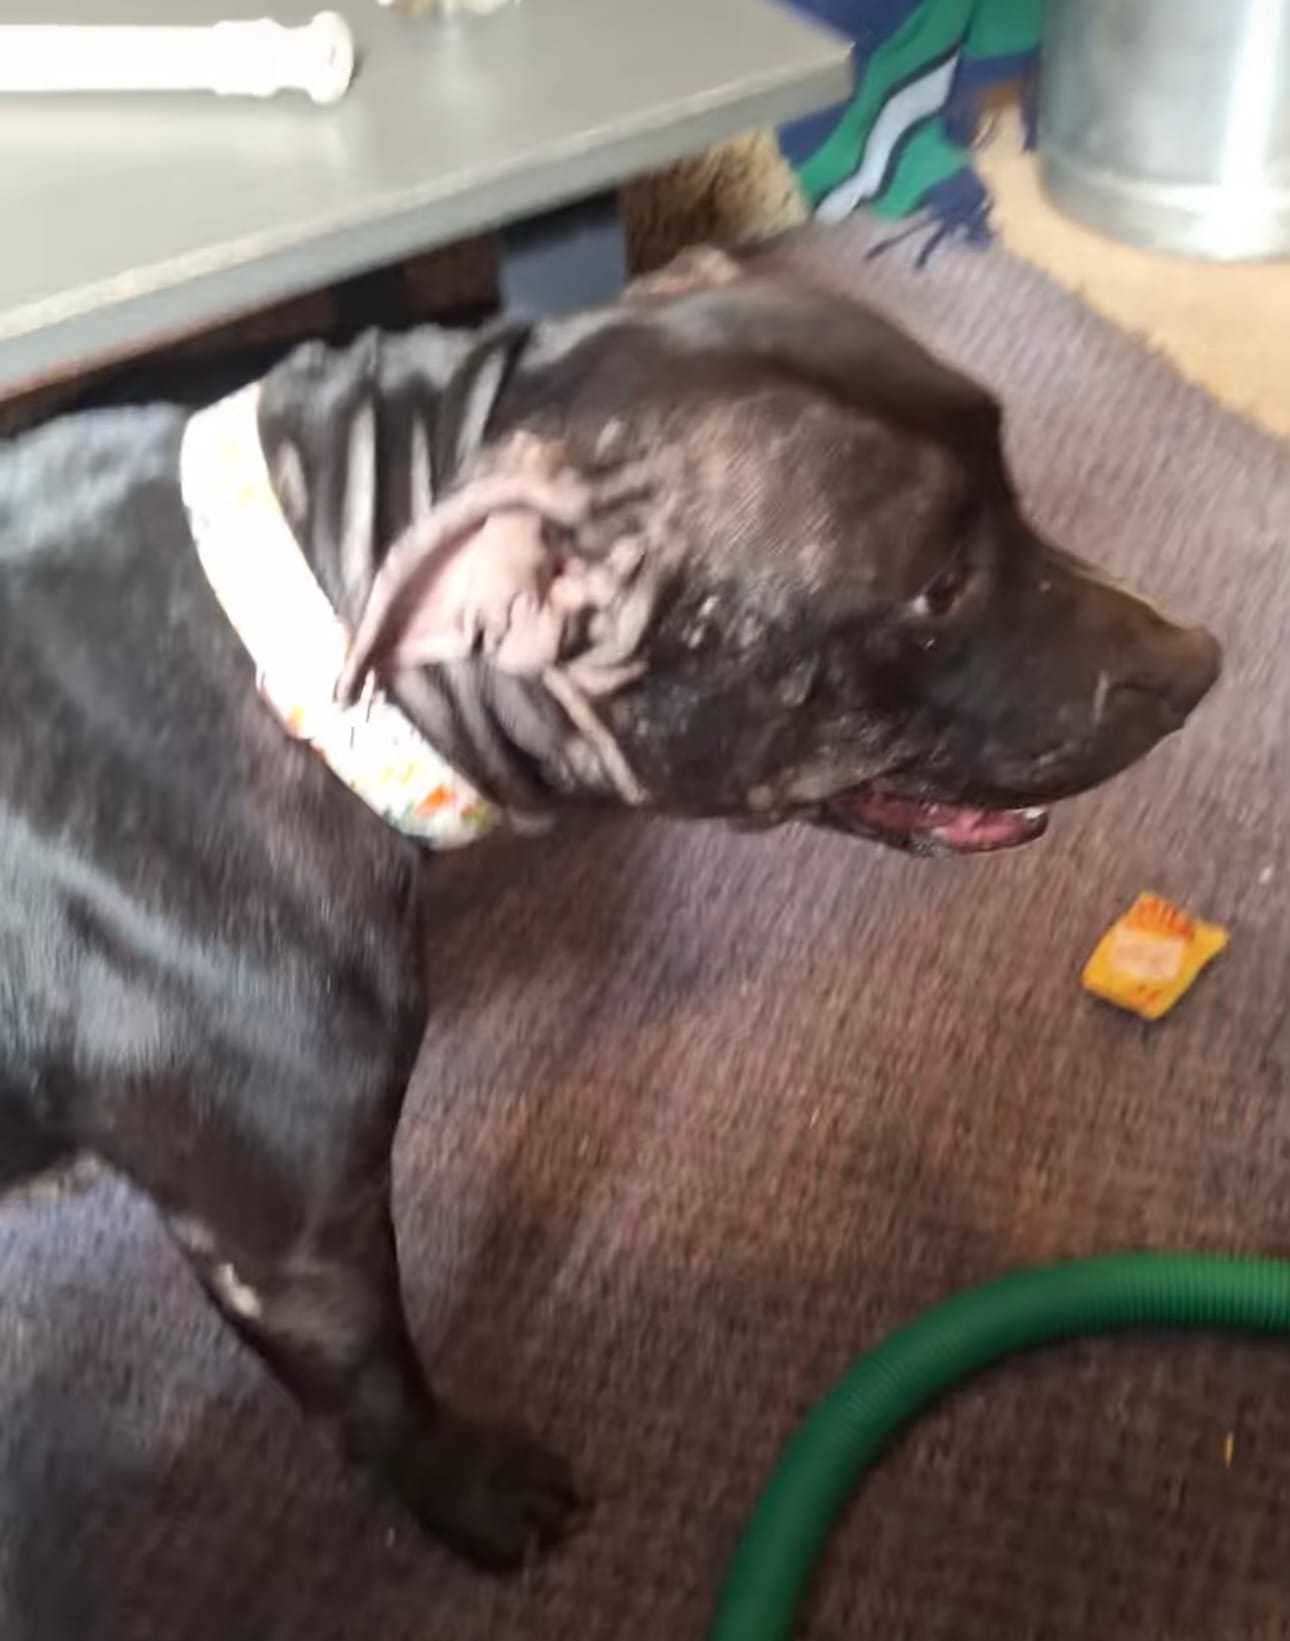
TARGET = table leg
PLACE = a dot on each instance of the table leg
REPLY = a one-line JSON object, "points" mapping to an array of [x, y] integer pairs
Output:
{"points": [[377, 299], [574, 257]]}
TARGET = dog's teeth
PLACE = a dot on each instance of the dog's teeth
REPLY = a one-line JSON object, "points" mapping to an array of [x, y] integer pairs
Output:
{"points": [[1033, 814]]}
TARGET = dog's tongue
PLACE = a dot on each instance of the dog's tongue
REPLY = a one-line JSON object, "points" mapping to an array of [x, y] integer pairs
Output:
{"points": [[958, 827]]}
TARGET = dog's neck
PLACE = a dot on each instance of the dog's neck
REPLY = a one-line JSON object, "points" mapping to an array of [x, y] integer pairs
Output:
{"points": [[359, 441]]}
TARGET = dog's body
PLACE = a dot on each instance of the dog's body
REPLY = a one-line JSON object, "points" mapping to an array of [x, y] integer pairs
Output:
{"points": [[759, 559]]}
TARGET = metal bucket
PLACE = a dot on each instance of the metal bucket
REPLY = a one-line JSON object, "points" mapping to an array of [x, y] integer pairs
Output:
{"points": [[1166, 123]]}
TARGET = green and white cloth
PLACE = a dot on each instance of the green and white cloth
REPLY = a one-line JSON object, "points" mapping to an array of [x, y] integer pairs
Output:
{"points": [[903, 143]]}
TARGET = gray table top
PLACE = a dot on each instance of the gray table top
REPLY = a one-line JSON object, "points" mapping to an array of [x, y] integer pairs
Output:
{"points": [[128, 220]]}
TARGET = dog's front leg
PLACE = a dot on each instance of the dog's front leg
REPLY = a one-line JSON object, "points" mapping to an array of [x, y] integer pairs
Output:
{"points": [[300, 1258], [328, 1319]]}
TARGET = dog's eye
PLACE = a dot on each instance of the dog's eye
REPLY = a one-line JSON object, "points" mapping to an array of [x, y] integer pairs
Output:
{"points": [[944, 590]]}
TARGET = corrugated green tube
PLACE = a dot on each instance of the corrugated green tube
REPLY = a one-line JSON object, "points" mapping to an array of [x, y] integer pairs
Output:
{"points": [[890, 1385]]}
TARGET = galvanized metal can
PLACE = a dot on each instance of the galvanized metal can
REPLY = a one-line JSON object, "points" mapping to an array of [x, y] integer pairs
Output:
{"points": [[1166, 123]]}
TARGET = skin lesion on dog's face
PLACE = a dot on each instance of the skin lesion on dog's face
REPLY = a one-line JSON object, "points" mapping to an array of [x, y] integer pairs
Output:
{"points": [[921, 668]]}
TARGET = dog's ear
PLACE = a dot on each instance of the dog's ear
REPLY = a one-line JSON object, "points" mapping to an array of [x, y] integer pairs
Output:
{"points": [[498, 570], [476, 573], [701, 268]]}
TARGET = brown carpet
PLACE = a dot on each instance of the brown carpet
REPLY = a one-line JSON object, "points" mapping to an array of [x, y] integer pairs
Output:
{"points": [[702, 1116]]}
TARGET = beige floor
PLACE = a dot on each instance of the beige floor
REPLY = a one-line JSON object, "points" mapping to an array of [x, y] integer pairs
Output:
{"points": [[1225, 326]]}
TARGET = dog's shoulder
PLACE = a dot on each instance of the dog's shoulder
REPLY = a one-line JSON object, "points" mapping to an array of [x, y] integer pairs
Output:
{"points": [[62, 483], [156, 826]]}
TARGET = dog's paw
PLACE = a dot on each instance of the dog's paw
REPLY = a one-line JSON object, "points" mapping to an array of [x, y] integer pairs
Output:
{"points": [[492, 1495]]}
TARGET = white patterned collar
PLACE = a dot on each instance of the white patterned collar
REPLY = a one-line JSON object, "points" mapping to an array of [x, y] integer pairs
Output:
{"points": [[297, 641]]}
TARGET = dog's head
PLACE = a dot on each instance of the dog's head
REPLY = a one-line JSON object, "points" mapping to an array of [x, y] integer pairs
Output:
{"points": [[764, 554]]}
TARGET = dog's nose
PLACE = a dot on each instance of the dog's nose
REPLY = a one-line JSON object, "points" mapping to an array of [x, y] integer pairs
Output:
{"points": [[1191, 671], [1173, 671]]}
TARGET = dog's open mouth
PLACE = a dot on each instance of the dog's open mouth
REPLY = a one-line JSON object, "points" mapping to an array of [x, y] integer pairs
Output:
{"points": [[926, 827]]}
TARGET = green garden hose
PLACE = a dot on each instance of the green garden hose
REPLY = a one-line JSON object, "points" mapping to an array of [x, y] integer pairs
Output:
{"points": [[891, 1384]]}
